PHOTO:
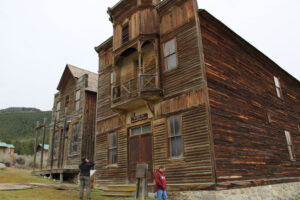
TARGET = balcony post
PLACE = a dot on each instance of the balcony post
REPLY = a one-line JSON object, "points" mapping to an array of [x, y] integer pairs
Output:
{"points": [[140, 70], [157, 77]]}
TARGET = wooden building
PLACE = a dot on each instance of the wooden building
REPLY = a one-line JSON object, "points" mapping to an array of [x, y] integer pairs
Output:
{"points": [[178, 88], [72, 130], [9, 150]]}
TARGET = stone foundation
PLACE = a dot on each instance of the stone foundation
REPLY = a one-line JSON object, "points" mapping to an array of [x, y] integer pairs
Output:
{"points": [[284, 191]]}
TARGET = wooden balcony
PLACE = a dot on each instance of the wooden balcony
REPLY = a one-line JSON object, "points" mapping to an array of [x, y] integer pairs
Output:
{"points": [[134, 92]]}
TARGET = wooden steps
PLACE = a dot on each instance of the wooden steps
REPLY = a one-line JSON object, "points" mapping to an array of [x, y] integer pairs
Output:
{"points": [[119, 190]]}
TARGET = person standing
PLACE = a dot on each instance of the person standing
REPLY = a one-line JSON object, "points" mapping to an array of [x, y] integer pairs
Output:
{"points": [[85, 179], [161, 184]]}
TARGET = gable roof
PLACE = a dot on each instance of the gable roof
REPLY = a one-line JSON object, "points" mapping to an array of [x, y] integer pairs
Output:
{"points": [[76, 73]]}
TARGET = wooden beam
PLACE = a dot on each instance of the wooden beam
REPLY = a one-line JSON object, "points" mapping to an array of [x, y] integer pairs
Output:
{"points": [[63, 140], [35, 144], [43, 144], [52, 142]]}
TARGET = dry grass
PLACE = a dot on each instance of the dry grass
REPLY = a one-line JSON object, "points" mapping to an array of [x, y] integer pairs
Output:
{"points": [[13, 175]]}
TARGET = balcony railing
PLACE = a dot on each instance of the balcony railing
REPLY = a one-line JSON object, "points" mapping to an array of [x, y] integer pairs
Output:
{"points": [[130, 88]]}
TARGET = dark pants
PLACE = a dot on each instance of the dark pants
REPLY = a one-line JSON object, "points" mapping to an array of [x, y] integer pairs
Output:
{"points": [[85, 182]]}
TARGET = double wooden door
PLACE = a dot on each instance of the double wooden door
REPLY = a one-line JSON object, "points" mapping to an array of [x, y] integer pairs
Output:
{"points": [[140, 152]]}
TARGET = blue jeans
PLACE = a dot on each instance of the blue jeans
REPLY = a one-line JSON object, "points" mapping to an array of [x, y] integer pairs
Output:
{"points": [[161, 194]]}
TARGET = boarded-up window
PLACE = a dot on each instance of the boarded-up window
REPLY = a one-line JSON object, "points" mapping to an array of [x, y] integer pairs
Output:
{"points": [[175, 140], [112, 148], [57, 110], [170, 55], [55, 144], [277, 86], [75, 138], [290, 145], [77, 100], [125, 34]]}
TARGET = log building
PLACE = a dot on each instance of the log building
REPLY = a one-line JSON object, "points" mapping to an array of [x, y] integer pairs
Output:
{"points": [[179, 88], [72, 129]]}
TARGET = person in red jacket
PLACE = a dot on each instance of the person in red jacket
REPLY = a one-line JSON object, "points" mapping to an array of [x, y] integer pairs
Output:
{"points": [[160, 184]]}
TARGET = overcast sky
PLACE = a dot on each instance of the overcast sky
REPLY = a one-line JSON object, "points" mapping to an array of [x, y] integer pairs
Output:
{"points": [[39, 37]]}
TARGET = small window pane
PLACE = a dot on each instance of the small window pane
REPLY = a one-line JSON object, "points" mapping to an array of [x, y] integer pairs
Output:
{"points": [[276, 81], [77, 95], [288, 137], [146, 128], [114, 144], [136, 131], [179, 146], [173, 150], [115, 156], [172, 46], [278, 92], [177, 125], [173, 63], [291, 153], [171, 126], [166, 50]]}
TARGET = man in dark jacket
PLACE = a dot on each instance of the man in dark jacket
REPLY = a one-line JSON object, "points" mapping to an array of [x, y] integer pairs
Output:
{"points": [[85, 179], [160, 184]]}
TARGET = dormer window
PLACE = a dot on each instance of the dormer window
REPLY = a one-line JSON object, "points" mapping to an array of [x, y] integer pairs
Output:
{"points": [[125, 34]]}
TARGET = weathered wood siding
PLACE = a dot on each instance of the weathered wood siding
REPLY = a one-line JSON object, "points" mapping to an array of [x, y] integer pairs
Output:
{"points": [[241, 92]]}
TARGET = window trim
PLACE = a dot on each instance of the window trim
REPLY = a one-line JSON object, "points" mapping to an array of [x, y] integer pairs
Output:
{"points": [[290, 145], [169, 137], [165, 57], [58, 109], [72, 138], [110, 149], [122, 39], [77, 100]]}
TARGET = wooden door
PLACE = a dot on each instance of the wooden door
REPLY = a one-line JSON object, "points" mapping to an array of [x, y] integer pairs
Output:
{"points": [[139, 152]]}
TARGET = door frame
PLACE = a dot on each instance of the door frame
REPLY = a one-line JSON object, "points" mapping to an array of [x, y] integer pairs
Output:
{"points": [[137, 124]]}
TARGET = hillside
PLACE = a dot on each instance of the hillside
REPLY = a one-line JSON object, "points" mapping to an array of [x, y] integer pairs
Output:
{"points": [[17, 126]]}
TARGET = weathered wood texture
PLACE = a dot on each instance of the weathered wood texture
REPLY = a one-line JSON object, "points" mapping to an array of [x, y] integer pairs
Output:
{"points": [[74, 79], [241, 92]]}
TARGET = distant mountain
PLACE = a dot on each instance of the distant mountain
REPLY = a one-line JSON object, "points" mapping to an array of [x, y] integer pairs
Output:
{"points": [[17, 126], [19, 109]]}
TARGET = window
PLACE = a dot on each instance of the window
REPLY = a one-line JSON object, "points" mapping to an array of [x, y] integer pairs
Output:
{"points": [[269, 118], [112, 148], [170, 55], [75, 138], [67, 102], [290, 145], [55, 144], [140, 130], [57, 110], [175, 140], [77, 100], [125, 33], [277, 86]]}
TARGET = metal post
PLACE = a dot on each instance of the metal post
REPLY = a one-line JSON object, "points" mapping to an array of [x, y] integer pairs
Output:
{"points": [[35, 144], [43, 144], [63, 141]]}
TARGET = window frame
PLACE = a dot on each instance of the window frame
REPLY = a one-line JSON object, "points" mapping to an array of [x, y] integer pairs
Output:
{"points": [[128, 36], [140, 126], [72, 138], [77, 101], [174, 136], [278, 88], [290, 145], [111, 149], [58, 108], [170, 55], [67, 102]]}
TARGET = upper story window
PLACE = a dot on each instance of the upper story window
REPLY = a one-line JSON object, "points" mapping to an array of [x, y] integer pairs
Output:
{"points": [[77, 100], [125, 34], [175, 140], [57, 110], [170, 59], [112, 148], [75, 137], [278, 87], [290, 145], [67, 102]]}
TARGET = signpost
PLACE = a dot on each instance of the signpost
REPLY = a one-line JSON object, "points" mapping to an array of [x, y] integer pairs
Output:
{"points": [[141, 173]]}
